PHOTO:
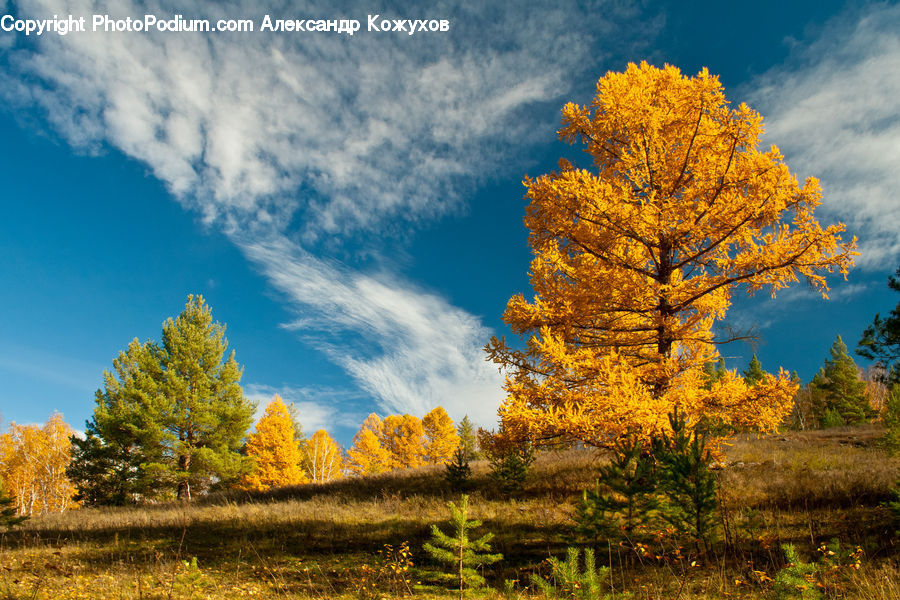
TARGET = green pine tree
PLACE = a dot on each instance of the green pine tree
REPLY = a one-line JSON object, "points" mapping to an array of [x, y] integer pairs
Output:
{"points": [[842, 388], [510, 467], [122, 436], [104, 474], [8, 510], [623, 498], [202, 410], [793, 582], [754, 373], [569, 580], [467, 439], [458, 473], [713, 372], [687, 482], [461, 552], [881, 340], [891, 418], [170, 418]]}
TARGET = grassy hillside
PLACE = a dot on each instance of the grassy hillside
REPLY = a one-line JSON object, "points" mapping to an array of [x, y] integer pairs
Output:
{"points": [[329, 540]]}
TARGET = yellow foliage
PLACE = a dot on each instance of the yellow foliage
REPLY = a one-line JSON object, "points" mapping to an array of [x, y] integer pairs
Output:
{"points": [[441, 438], [636, 258], [404, 439], [324, 458], [33, 463], [274, 450], [367, 456]]}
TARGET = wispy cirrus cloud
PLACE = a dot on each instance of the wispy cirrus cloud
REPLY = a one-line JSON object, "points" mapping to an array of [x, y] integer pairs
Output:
{"points": [[411, 349], [317, 407], [297, 143], [833, 110]]}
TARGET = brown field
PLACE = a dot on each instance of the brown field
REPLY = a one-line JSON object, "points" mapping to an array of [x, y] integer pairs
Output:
{"points": [[328, 541]]}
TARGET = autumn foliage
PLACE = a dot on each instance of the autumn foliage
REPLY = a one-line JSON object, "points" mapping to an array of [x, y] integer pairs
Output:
{"points": [[274, 450], [637, 257], [33, 463], [324, 458], [368, 456], [402, 442], [441, 439]]}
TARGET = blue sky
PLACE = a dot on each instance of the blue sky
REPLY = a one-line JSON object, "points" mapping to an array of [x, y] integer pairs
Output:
{"points": [[351, 207]]}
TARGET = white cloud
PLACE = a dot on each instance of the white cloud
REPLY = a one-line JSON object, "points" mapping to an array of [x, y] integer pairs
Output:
{"points": [[295, 142], [833, 111], [371, 129], [410, 349], [317, 407]]}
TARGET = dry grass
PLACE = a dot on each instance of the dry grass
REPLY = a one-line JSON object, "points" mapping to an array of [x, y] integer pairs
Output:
{"points": [[312, 541]]}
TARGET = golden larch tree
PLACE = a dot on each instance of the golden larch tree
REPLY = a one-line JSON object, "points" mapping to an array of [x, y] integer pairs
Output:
{"points": [[33, 463], [367, 456], [274, 450], [404, 439], [637, 257], [324, 458], [441, 438]]}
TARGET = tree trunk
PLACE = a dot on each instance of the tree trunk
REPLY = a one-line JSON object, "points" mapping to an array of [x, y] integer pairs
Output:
{"points": [[184, 486]]}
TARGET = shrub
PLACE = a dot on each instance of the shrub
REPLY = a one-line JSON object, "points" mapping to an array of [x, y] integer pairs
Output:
{"points": [[458, 474], [569, 580], [461, 552], [510, 466], [624, 495], [687, 481], [796, 579]]}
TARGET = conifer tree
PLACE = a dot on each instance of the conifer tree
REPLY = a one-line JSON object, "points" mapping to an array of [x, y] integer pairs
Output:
{"points": [[441, 438], [459, 474], [891, 418], [171, 415], [122, 436], [844, 391], [8, 509], [637, 255], [893, 505], [367, 455], [754, 373], [467, 439], [274, 450], [510, 464], [688, 483], [569, 580], [200, 408], [103, 474], [461, 551], [793, 581], [624, 496], [404, 439], [881, 340], [714, 372]]}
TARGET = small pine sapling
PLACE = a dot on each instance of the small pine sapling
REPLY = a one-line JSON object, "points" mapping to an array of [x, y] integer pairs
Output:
{"points": [[568, 580], [794, 581], [510, 466], [688, 481], [624, 496], [465, 555], [832, 418], [458, 473]]}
